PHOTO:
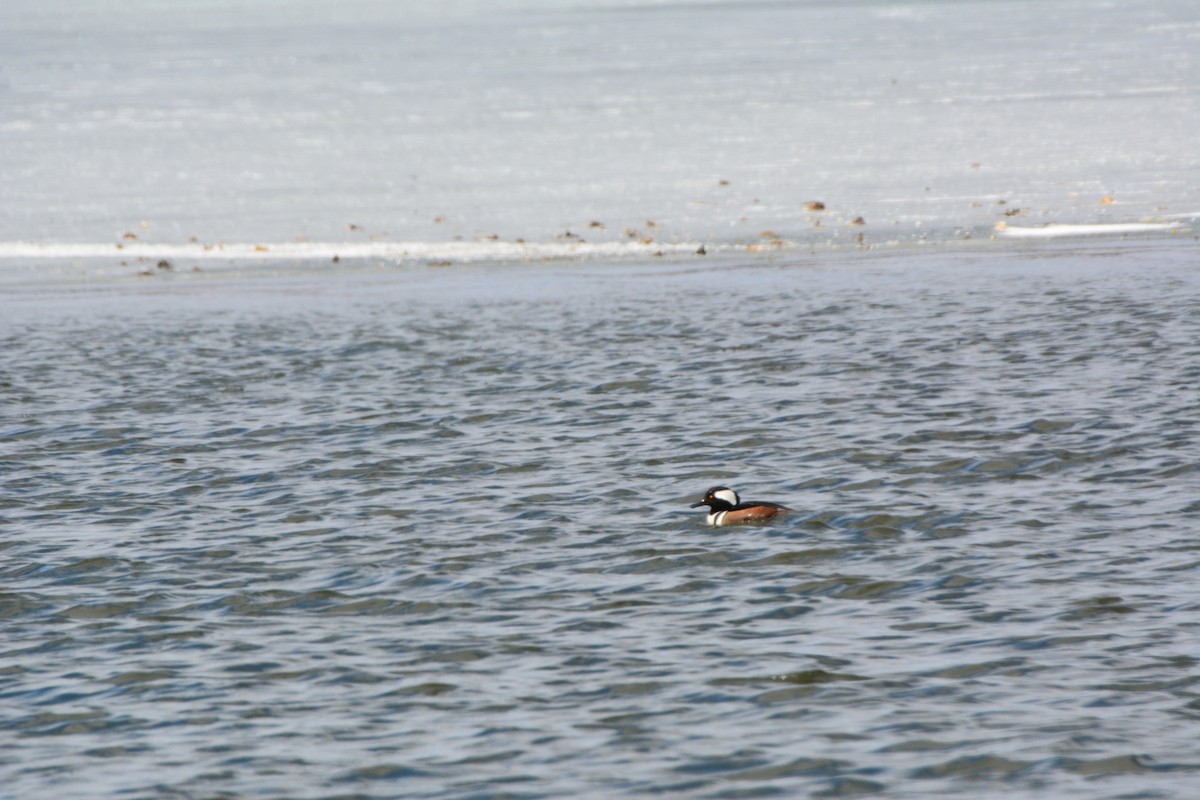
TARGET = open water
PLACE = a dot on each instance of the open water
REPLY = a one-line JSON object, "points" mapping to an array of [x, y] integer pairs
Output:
{"points": [[424, 532]]}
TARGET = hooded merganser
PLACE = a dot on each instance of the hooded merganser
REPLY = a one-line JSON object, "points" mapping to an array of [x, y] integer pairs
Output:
{"points": [[726, 508]]}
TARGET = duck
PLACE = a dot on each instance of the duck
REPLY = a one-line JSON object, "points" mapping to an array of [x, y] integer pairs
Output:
{"points": [[726, 508]]}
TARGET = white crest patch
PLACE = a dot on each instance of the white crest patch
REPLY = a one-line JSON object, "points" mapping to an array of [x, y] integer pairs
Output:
{"points": [[728, 495]]}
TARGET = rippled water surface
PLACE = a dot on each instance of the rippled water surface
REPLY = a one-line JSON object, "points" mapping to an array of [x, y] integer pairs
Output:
{"points": [[425, 533]]}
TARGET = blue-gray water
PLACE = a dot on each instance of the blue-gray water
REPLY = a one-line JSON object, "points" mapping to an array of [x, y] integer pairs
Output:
{"points": [[425, 532]]}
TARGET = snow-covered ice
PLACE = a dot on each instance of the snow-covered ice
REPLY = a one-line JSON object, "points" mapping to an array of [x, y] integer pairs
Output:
{"points": [[481, 127]]}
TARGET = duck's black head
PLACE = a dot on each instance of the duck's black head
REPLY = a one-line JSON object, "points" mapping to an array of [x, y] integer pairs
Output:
{"points": [[718, 498]]}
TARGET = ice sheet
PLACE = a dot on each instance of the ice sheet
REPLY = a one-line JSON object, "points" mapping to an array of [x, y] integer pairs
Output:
{"points": [[651, 124], [1057, 231]]}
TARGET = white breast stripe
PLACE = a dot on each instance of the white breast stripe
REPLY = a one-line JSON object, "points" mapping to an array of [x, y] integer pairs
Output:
{"points": [[715, 519]]}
